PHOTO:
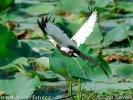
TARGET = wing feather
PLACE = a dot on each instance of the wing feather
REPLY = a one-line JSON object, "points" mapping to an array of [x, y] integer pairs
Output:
{"points": [[85, 30], [58, 35], [55, 33]]}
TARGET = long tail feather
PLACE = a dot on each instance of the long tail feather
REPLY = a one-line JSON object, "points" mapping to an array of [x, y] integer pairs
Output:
{"points": [[92, 60], [83, 56]]}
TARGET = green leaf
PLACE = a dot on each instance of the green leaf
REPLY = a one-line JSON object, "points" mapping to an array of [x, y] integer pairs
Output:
{"points": [[48, 75], [18, 61], [38, 9], [103, 87], [103, 3], [97, 69], [69, 27], [10, 49], [25, 50], [5, 3], [122, 70], [8, 42], [39, 44], [109, 24], [117, 34], [37, 34], [11, 17], [96, 37], [21, 86], [44, 61], [126, 6], [77, 67], [64, 5]]}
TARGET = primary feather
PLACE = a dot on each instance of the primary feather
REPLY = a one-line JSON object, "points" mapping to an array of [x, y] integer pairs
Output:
{"points": [[55, 33], [85, 30]]}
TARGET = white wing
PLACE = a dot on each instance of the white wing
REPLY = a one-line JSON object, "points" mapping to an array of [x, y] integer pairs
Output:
{"points": [[58, 35], [85, 30]]}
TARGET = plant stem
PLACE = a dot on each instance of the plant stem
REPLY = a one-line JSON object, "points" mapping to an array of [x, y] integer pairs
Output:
{"points": [[71, 91], [71, 88], [79, 90]]}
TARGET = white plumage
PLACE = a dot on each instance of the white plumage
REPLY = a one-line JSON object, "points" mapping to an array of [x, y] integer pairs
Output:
{"points": [[58, 37], [85, 30]]}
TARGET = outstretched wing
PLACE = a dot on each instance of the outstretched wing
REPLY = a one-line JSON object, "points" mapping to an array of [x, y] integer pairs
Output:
{"points": [[85, 30], [55, 33]]}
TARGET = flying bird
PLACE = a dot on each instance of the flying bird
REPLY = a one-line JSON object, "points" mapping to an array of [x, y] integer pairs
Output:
{"points": [[67, 46]]}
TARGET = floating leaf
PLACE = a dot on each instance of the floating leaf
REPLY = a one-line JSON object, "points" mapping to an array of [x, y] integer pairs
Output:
{"points": [[21, 60], [8, 42], [5, 3], [109, 24], [117, 34], [38, 9], [126, 6], [103, 87], [103, 3], [48, 76], [44, 61], [122, 70], [11, 17], [95, 37], [39, 45], [21, 86], [64, 5], [10, 49]]}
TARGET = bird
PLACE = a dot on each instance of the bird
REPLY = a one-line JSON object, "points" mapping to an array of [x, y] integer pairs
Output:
{"points": [[69, 46]]}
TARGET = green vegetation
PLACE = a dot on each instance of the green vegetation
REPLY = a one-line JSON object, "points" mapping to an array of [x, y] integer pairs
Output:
{"points": [[30, 65]]}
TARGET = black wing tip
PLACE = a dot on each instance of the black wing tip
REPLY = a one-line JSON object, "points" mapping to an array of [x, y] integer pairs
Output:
{"points": [[43, 21], [42, 24]]}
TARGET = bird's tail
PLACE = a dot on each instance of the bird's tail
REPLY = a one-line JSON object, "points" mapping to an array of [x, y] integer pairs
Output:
{"points": [[92, 60], [83, 56]]}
